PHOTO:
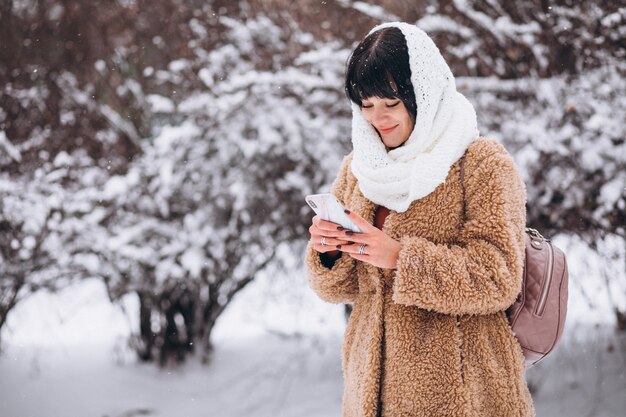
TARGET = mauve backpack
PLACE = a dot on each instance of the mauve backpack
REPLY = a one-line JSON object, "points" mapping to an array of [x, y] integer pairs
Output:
{"points": [[537, 316]]}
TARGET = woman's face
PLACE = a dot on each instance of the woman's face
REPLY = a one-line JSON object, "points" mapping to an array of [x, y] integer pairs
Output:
{"points": [[390, 118]]}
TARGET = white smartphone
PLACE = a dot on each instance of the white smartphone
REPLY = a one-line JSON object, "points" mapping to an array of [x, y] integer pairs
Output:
{"points": [[329, 208]]}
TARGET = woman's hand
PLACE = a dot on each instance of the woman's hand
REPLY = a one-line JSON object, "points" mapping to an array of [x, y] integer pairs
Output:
{"points": [[331, 232], [380, 250]]}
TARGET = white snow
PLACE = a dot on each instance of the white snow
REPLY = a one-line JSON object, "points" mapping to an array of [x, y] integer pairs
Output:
{"points": [[178, 65], [160, 104], [7, 146], [433, 23], [613, 190], [169, 136], [62, 159], [192, 260], [277, 345], [100, 65], [375, 11], [277, 354], [115, 186]]}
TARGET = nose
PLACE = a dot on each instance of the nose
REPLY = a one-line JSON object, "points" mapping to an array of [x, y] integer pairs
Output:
{"points": [[379, 116]]}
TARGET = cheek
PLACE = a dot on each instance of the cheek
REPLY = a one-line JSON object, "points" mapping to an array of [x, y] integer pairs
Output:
{"points": [[408, 121], [408, 126]]}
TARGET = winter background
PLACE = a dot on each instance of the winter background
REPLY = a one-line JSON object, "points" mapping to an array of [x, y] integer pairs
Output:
{"points": [[155, 155]]}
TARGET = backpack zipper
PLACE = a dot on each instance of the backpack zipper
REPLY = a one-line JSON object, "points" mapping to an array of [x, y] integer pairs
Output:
{"points": [[548, 278]]}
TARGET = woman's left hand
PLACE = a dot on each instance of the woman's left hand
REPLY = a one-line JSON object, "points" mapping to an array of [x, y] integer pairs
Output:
{"points": [[380, 250]]}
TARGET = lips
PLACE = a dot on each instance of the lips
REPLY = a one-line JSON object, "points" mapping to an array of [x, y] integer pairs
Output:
{"points": [[386, 130]]}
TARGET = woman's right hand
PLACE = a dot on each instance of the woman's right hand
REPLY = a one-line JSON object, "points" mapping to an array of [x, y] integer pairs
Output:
{"points": [[333, 233]]}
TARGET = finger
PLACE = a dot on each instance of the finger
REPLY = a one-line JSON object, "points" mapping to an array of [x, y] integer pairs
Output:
{"points": [[363, 224], [334, 234], [354, 248], [325, 248], [322, 249], [329, 241], [317, 220], [327, 225], [364, 258], [334, 231], [354, 236], [317, 237]]}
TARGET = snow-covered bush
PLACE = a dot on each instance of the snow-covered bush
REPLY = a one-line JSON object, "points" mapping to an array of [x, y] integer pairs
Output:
{"points": [[219, 190], [167, 149], [515, 39], [45, 238], [569, 141]]}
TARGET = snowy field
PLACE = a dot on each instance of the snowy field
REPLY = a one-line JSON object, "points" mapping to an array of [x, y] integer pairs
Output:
{"points": [[277, 354]]}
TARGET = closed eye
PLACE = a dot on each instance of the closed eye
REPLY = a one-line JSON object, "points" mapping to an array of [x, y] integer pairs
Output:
{"points": [[387, 105]]}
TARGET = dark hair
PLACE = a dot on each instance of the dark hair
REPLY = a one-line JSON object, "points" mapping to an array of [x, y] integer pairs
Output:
{"points": [[379, 67]]}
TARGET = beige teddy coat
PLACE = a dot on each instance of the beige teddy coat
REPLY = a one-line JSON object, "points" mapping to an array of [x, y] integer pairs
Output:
{"points": [[431, 337]]}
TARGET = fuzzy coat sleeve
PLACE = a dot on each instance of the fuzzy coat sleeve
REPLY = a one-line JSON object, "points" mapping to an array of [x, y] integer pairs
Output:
{"points": [[339, 283], [482, 273]]}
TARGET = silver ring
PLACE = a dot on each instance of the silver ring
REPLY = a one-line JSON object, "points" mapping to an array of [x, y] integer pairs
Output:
{"points": [[323, 241], [361, 249]]}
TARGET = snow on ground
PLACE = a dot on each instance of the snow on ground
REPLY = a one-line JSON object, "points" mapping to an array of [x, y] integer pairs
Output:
{"points": [[65, 355], [277, 354], [258, 376], [585, 377]]}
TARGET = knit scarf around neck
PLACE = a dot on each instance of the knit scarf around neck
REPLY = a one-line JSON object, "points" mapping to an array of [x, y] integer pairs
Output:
{"points": [[445, 125]]}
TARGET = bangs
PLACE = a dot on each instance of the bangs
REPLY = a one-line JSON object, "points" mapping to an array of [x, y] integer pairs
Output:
{"points": [[370, 78]]}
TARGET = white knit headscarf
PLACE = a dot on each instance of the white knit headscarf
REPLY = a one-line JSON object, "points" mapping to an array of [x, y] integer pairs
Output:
{"points": [[445, 125]]}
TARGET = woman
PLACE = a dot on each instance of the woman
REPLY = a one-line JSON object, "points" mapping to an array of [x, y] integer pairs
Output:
{"points": [[440, 256]]}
